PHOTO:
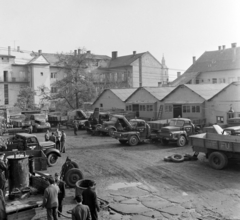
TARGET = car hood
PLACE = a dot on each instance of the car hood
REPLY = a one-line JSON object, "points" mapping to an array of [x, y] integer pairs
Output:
{"points": [[170, 129], [47, 144], [107, 123]]}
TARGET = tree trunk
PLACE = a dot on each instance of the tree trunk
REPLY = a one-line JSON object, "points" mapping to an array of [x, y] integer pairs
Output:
{"points": [[77, 101]]}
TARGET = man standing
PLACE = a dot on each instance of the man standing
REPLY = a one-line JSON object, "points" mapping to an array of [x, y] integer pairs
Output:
{"points": [[3, 172], [47, 136], [80, 212], [61, 192], [90, 199], [63, 139], [58, 139], [75, 127], [52, 138], [50, 200]]}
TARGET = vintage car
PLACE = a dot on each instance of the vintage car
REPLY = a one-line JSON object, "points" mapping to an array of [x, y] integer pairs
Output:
{"points": [[178, 131], [116, 123], [25, 142]]}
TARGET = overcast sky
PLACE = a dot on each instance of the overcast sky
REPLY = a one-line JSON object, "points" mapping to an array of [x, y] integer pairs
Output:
{"points": [[179, 29]]}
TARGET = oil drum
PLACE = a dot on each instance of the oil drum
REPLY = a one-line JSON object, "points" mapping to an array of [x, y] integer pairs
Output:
{"points": [[18, 172]]}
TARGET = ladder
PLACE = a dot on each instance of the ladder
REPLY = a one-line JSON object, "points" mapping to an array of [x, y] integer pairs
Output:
{"points": [[160, 111]]}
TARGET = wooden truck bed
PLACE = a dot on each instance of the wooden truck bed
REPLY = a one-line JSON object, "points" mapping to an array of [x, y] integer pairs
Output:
{"points": [[205, 141]]}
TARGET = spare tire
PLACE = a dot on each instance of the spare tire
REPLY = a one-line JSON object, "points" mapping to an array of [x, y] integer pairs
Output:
{"points": [[168, 159], [177, 158], [72, 176]]}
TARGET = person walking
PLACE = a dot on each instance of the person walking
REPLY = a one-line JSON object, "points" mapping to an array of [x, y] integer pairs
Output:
{"points": [[63, 140], [3, 172], [50, 200], [47, 136], [75, 127], [61, 192], [81, 212], [90, 199], [58, 139]]}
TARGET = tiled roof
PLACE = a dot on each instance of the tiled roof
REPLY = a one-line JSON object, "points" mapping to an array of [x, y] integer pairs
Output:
{"points": [[124, 60], [226, 59], [206, 91], [122, 94], [21, 57], [184, 78], [159, 92]]}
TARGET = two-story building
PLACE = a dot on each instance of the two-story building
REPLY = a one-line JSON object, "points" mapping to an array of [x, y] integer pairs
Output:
{"points": [[213, 67]]}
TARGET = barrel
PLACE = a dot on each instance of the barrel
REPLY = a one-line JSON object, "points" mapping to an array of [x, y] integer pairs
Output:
{"points": [[18, 172], [83, 184]]}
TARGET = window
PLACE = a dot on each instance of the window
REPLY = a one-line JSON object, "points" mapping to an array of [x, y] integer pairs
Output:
{"points": [[197, 81], [127, 108], [222, 80], [144, 108], [168, 108], [197, 108], [140, 108], [220, 119], [5, 77], [193, 109], [41, 73], [101, 105], [151, 108], [186, 109], [6, 98], [53, 75], [130, 108], [214, 80], [148, 108]]}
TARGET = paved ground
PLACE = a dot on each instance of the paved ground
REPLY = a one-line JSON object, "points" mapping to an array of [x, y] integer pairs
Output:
{"points": [[139, 185]]}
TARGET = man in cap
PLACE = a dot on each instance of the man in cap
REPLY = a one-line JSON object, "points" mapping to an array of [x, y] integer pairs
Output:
{"points": [[3, 172], [50, 200], [80, 212], [61, 192], [90, 199]]}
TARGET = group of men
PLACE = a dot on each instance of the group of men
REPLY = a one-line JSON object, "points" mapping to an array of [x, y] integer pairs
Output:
{"points": [[59, 137], [87, 205]]}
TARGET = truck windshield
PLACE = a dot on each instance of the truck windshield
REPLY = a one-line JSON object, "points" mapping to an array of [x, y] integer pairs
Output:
{"points": [[40, 117], [177, 123]]}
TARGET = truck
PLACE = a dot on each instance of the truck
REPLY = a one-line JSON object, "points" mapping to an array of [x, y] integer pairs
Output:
{"points": [[57, 118], [19, 121], [116, 123], [79, 116], [137, 131], [39, 122], [218, 148], [178, 131], [25, 142]]}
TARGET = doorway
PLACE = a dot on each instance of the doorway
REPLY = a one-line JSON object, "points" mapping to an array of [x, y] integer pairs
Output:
{"points": [[177, 111], [135, 108]]}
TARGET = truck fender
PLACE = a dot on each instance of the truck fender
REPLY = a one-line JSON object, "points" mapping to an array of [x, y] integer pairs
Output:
{"points": [[53, 150], [135, 135]]}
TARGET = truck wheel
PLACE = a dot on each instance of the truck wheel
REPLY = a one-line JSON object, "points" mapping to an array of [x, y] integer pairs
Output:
{"points": [[74, 164], [72, 176], [177, 158], [133, 140], [218, 160], [123, 142], [110, 132], [165, 142], [52, 159], [181, 142]]}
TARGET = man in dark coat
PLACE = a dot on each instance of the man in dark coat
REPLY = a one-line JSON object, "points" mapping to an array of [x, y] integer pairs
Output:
{"points": [[3, 172], [81, 212], [90, 199], [63, 140], [61, 192], [50, 200], [75, 127]]}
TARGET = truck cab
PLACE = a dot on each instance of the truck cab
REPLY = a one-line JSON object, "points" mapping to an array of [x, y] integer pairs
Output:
{"points": [[178, 131], [39, 122]]}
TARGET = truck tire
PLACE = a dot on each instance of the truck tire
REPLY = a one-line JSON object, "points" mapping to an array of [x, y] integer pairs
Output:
{"points": [[111, 131], [182, 141], [165, 142], [72, 176], [133, 140], [123, 142], [177, 158], [52, 159], [218, 160]]}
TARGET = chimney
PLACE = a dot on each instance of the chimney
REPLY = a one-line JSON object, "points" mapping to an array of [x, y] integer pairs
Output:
{"points": [[9, 50], [234, 45], [18, 49], [114, 54], [219, 47], [75, 52], [194, 59], [39, 52], [89, 51], [79, 51], [134, 52], [178, 74], [223, 47]]}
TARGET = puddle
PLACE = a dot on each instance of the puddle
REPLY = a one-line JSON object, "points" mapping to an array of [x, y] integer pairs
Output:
{"points": [[117, 186]]}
